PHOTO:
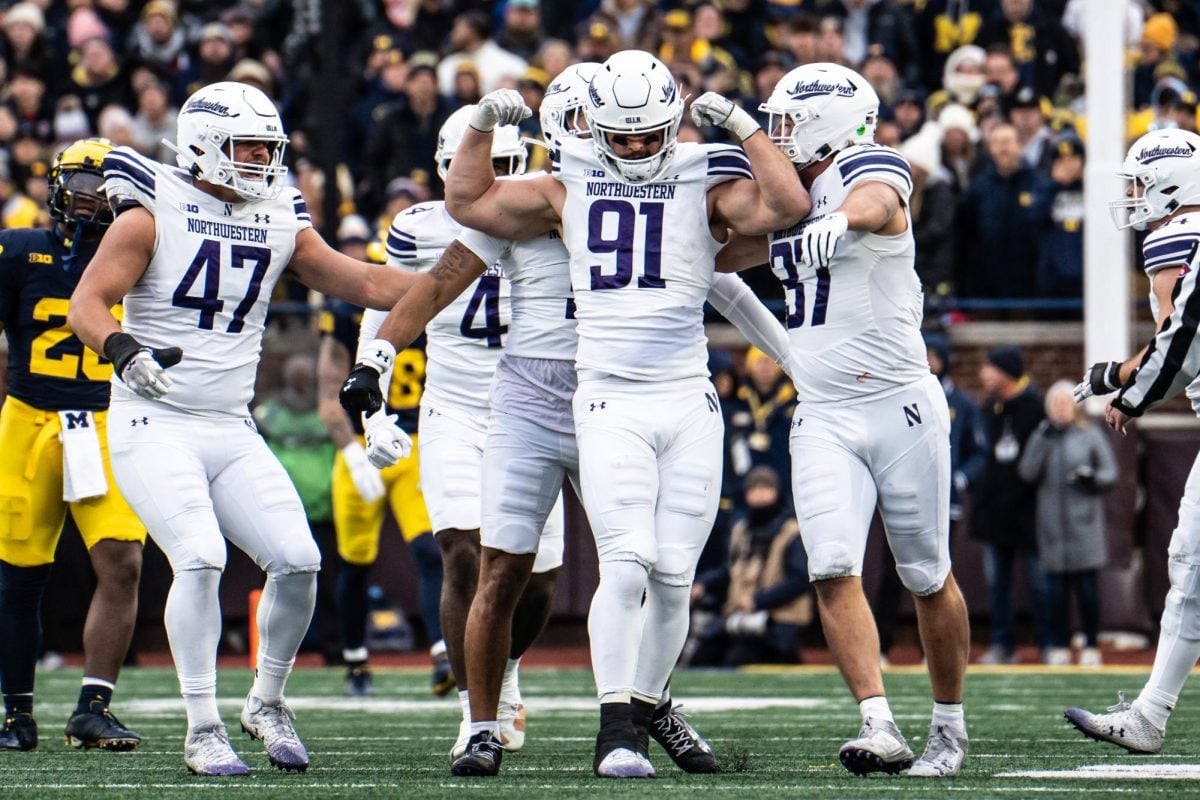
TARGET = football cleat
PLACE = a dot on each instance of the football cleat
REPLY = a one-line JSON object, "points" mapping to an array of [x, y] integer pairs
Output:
{"points": [[272, 723], [442, 682], [358, 681], [97, 727], [944, 753], [622, 762], [207, 751], [879, 748], [481, 759], [511, 717], [464, 738], [687, 748], [1123, 725], [19, 733]]}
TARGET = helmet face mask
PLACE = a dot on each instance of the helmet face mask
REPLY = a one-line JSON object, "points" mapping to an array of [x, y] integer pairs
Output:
{"points": [[634, 94], [818, 109], [561, 112], [508, 149], [76, 180], [1161, 174], [218, 118]]}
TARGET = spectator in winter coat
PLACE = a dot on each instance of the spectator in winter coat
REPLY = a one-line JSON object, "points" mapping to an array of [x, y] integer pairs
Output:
{"points": [[1004, 507], [1060, 249], [1072, 464]]}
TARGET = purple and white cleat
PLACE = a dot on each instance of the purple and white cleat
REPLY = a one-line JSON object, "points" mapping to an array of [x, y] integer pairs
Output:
{"points": [[207, 751], [272, 723]]}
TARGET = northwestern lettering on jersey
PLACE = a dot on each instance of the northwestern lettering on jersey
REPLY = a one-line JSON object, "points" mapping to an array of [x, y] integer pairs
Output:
{"points": [[817, 88], [1151, 154], [208, 107], [225, 230], [648, 191]]}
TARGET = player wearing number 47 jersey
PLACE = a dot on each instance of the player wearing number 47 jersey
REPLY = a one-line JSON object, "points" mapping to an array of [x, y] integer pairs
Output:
{"points": [[642, 217], [54, 458], [195, 252], [871, 427]]}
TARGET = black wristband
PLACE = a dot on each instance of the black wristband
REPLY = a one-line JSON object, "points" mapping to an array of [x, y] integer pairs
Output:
{"points": [[119, 347], [1121, 405]]}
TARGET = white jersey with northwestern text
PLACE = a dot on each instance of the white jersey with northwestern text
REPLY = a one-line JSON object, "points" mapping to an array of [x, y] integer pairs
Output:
{"points": [[209, 280], [642, 259], [465, 338], [854, 326], [543, 310]]}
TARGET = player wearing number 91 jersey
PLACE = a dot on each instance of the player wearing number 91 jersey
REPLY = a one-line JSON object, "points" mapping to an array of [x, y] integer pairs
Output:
{"points": [[196, 251]]}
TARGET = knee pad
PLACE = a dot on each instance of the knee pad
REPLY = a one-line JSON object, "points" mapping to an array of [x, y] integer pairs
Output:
{"points": [[672, 579], [920, 581]]}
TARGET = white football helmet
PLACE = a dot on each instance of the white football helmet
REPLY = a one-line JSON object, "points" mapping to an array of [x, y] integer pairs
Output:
{"points": [[217, 117], [818, 109], [562, 106], [633, 93], [1165, 165], [507, 146]]}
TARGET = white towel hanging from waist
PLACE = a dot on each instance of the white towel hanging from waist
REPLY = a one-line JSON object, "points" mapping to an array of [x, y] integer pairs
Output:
{"points": [[83, 466]]}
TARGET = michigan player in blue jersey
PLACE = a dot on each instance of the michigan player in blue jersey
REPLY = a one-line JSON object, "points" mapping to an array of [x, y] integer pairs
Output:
{"points": [[361, 492], [54, 457]]}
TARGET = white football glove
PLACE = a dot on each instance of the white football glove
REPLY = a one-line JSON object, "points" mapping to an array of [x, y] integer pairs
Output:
{"points": [[145, 376], [499, 107], [819, 240], [386, 442], [366, 478], [1101, 378], [711, 108]]}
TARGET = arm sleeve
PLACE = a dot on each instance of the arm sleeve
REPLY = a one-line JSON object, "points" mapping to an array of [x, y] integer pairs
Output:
{"points": [[732, 298], [372, 321]]}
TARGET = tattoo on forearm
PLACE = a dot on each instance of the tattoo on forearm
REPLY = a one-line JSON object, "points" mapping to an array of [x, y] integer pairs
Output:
{"points": [[452, 263]]}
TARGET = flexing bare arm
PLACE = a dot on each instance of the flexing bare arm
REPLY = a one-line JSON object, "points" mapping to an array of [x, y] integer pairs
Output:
{"points": [[320, 267], [874, 207], [430, 293], [742, 252], [774, 200]]}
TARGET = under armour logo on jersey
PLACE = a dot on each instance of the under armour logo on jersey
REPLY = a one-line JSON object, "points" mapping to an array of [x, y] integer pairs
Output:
{"points": [[799, 421], [594, 406], [77, 420], [912, 415], [133, 423], [714, 405], [266, 218]]}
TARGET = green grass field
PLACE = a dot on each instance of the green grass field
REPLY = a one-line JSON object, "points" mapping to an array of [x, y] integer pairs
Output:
{"points": [[780, 732]]}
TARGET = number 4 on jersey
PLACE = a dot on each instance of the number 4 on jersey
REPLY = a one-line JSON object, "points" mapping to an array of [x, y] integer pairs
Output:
{"points": [[487, 296], [209, 302]]}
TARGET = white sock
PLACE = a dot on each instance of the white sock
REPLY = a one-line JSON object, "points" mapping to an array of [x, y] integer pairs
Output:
{"points": [[89, 681], [949, 715], [193, 622], [876, 708], [357, 655], [510, 689], [1156, 706], [464, 699], [615, 622], [663, 636], [491, 727], [284, 613]]}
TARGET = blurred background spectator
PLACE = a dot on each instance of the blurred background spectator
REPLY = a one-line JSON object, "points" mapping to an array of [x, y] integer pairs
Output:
{"points": [[1071, 462]]}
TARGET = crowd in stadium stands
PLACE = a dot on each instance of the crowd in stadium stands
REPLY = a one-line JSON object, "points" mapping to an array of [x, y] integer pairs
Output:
{"points": [[984, 98]]}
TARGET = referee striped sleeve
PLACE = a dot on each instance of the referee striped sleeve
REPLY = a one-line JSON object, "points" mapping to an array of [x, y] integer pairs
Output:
{"points": [[1173, 359]]}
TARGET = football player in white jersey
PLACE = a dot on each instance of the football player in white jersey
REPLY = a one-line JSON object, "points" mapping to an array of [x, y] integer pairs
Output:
{"points": [[871, 427], [647, 420], [531, 444], [465, 337], [195, 252], [1162, 171]]}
